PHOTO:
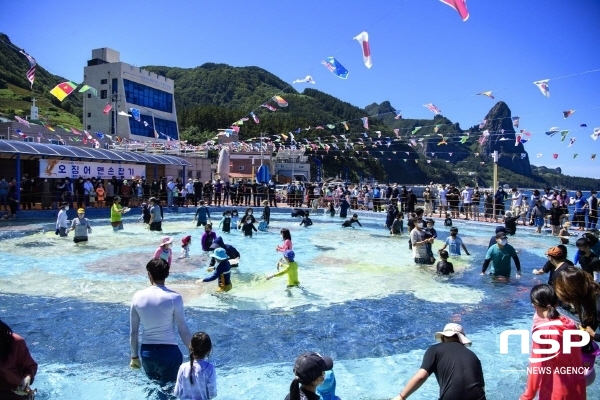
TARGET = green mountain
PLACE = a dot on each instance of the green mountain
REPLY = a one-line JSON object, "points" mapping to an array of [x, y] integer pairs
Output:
{"points": [[16, 93]]}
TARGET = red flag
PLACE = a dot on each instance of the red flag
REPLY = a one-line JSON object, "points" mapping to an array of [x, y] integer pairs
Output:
{"points": [[107, 108], [555, 156], [75, 131]]}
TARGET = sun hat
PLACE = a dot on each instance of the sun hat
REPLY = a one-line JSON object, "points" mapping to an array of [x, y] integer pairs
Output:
{"points": [[265, 202], [555, 252], [220, 254], [186, 240], [309, 366], [80, 210], [290, 255], [452, 329], [166, 240]]}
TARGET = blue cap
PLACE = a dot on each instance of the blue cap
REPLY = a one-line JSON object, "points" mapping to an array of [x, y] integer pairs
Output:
{"points": [[289, 255]]}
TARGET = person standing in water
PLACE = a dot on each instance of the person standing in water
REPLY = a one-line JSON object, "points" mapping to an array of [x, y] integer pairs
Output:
{"points": [[81, 227], [164, 250], [222, 271], [116, 214], [202, 215], [289, 267], [62, 224]]}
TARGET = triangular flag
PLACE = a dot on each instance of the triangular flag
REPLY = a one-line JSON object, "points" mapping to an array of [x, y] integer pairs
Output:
{"points": [[596, 133], [543, 86], [593, 156], [538, 155], [460, 6], [398, 114], [135, 113], [568, 113], [523, 155], [488, 94], [575, 156], [563, 135], [254, 117], [572, 142]]}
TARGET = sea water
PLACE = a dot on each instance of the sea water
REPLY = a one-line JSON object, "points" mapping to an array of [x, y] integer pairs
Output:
{"points": [[362, 301]]}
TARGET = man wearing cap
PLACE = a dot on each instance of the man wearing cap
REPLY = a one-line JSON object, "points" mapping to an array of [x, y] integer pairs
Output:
{"points": [[158, 309], [499, 255], [309, 371], [222, 272], [81, 227], [456, 368], [116, 212]]}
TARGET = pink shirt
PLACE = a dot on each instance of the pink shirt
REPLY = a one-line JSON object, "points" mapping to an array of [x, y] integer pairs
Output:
{"points": [[287, 245], [164, 254]]}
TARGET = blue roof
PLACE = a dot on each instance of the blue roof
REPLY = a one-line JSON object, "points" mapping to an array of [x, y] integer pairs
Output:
{"points": [[55, 150]]}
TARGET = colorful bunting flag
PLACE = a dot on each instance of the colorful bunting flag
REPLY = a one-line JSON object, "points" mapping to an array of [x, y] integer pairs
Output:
{"points": [[49, 128], [482, 124], [488, 94], [254, 117], [21, 120], [572, 142], [593, 157], [464, 139], [308, 79], [75, 131], [100, 135], [517, 140], [363, 40], [432, 108], [280, 101], [32, 65], [555, 156], [575, 156], [365, 121], [563, 135], [335, 67], [62, 90], [345, 125], [460, 6], [135, 113], [543, 86], [515, 121], [539, 155], [568, 113], [416, 129], [596, 133], [107, 108], [92, 90], [523, 155], [268, 107], [398, 114], [124, 114], [553, 131], [583, 125]]}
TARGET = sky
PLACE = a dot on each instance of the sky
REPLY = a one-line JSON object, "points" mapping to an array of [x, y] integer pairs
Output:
{"points": [[422, 53]]}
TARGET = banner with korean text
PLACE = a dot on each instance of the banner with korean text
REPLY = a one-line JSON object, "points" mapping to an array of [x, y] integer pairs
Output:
{"points": [[89, 169]]}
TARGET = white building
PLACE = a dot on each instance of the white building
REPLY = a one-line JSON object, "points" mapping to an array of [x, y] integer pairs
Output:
{"points": [[124, 86]]}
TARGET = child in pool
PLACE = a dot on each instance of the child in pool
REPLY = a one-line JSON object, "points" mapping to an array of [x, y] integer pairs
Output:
{"points": [[197, 380], [306, 221], [234, 217], [289, 267], [226, 222], [454, 243], [354, 220], [248, 227], [444, 267], [564, 233], [398, 225], [430, 232], [164, 250], [286, 236], [208, 237], [448, 220], [185, 247], [202, 214], [331, 209]]}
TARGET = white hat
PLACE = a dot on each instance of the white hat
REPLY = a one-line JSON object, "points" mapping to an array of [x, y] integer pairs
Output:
{"points": [[166, 240], [451, 330]]}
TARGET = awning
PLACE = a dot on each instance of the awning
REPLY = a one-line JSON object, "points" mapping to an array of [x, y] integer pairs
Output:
{"points": [[9, 147], [237, 175]]}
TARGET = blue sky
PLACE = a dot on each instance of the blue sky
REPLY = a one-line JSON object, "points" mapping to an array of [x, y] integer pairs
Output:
{"points": [[422, 53]]}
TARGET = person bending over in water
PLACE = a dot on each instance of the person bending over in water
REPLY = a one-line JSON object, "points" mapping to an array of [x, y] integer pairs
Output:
{"points": [[289, 267], [354, 220]]}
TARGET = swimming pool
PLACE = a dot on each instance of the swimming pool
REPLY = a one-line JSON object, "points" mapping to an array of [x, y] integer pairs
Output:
{"points": [[362, 301]]}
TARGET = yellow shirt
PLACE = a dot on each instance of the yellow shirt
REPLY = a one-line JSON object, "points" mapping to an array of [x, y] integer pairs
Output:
{"points": [[115, 216], [291, 269]]}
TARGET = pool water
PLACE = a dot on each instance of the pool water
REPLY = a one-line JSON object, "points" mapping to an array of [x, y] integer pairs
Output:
{"points": [[362, 301]]}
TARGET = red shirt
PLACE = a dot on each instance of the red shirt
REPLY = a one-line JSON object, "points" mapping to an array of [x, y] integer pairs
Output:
{"points": [[18, 365]]}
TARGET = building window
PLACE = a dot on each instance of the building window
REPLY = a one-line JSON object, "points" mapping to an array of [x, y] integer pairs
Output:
{"points": [[89, 95], [115, 86], [167, 130], [58, 142], [190, 174], [89, 116], [241, 168], [2, 137], [104, 94], [104, 81], [29, 139], [145, 96], [89, 127], [198, 174]]}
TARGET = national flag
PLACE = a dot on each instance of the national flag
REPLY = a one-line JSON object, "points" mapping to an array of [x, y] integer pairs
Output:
{"points": [[432, 108], [593, 156], [280, 101], [32, 65], [268, 107], [85, 88], [62, 90], [596, 133], [515, 121], [135, 113], [575, 156], [482, 124], [363, 40], [346, 127], [572, 142], [568, 113], [100, 135], [75, 131], [460, 6], [397, 132], [526, 133], [21, 120], [539, 155], [553, 131], [563, 135], [49, 128], [365, 121], [308, 79], [254, 117], [523, 155], [18, 131], [398, 114], [335, 67], [107, 108], [555, 156], [543, 86], [488, 94], [416, 129], [583, 125]]}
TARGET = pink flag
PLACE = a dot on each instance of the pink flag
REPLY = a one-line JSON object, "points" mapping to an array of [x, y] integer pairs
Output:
{"points": [[555, 156], [21, 120], [254, 117], [460, 6], [363, 40], [432, 108], [107, 108], [75, 131]]}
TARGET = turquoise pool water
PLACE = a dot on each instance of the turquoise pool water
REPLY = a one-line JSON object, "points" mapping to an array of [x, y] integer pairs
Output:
{"points": [[362, 301]]}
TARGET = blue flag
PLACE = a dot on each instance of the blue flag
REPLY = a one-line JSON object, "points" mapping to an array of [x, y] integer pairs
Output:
{"points": [[100, 135], [136, 114], [334, 66]]}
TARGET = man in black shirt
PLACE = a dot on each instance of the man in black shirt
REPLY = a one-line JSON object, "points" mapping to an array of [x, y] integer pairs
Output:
{"points": [[456, 368], [589, 261]]}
